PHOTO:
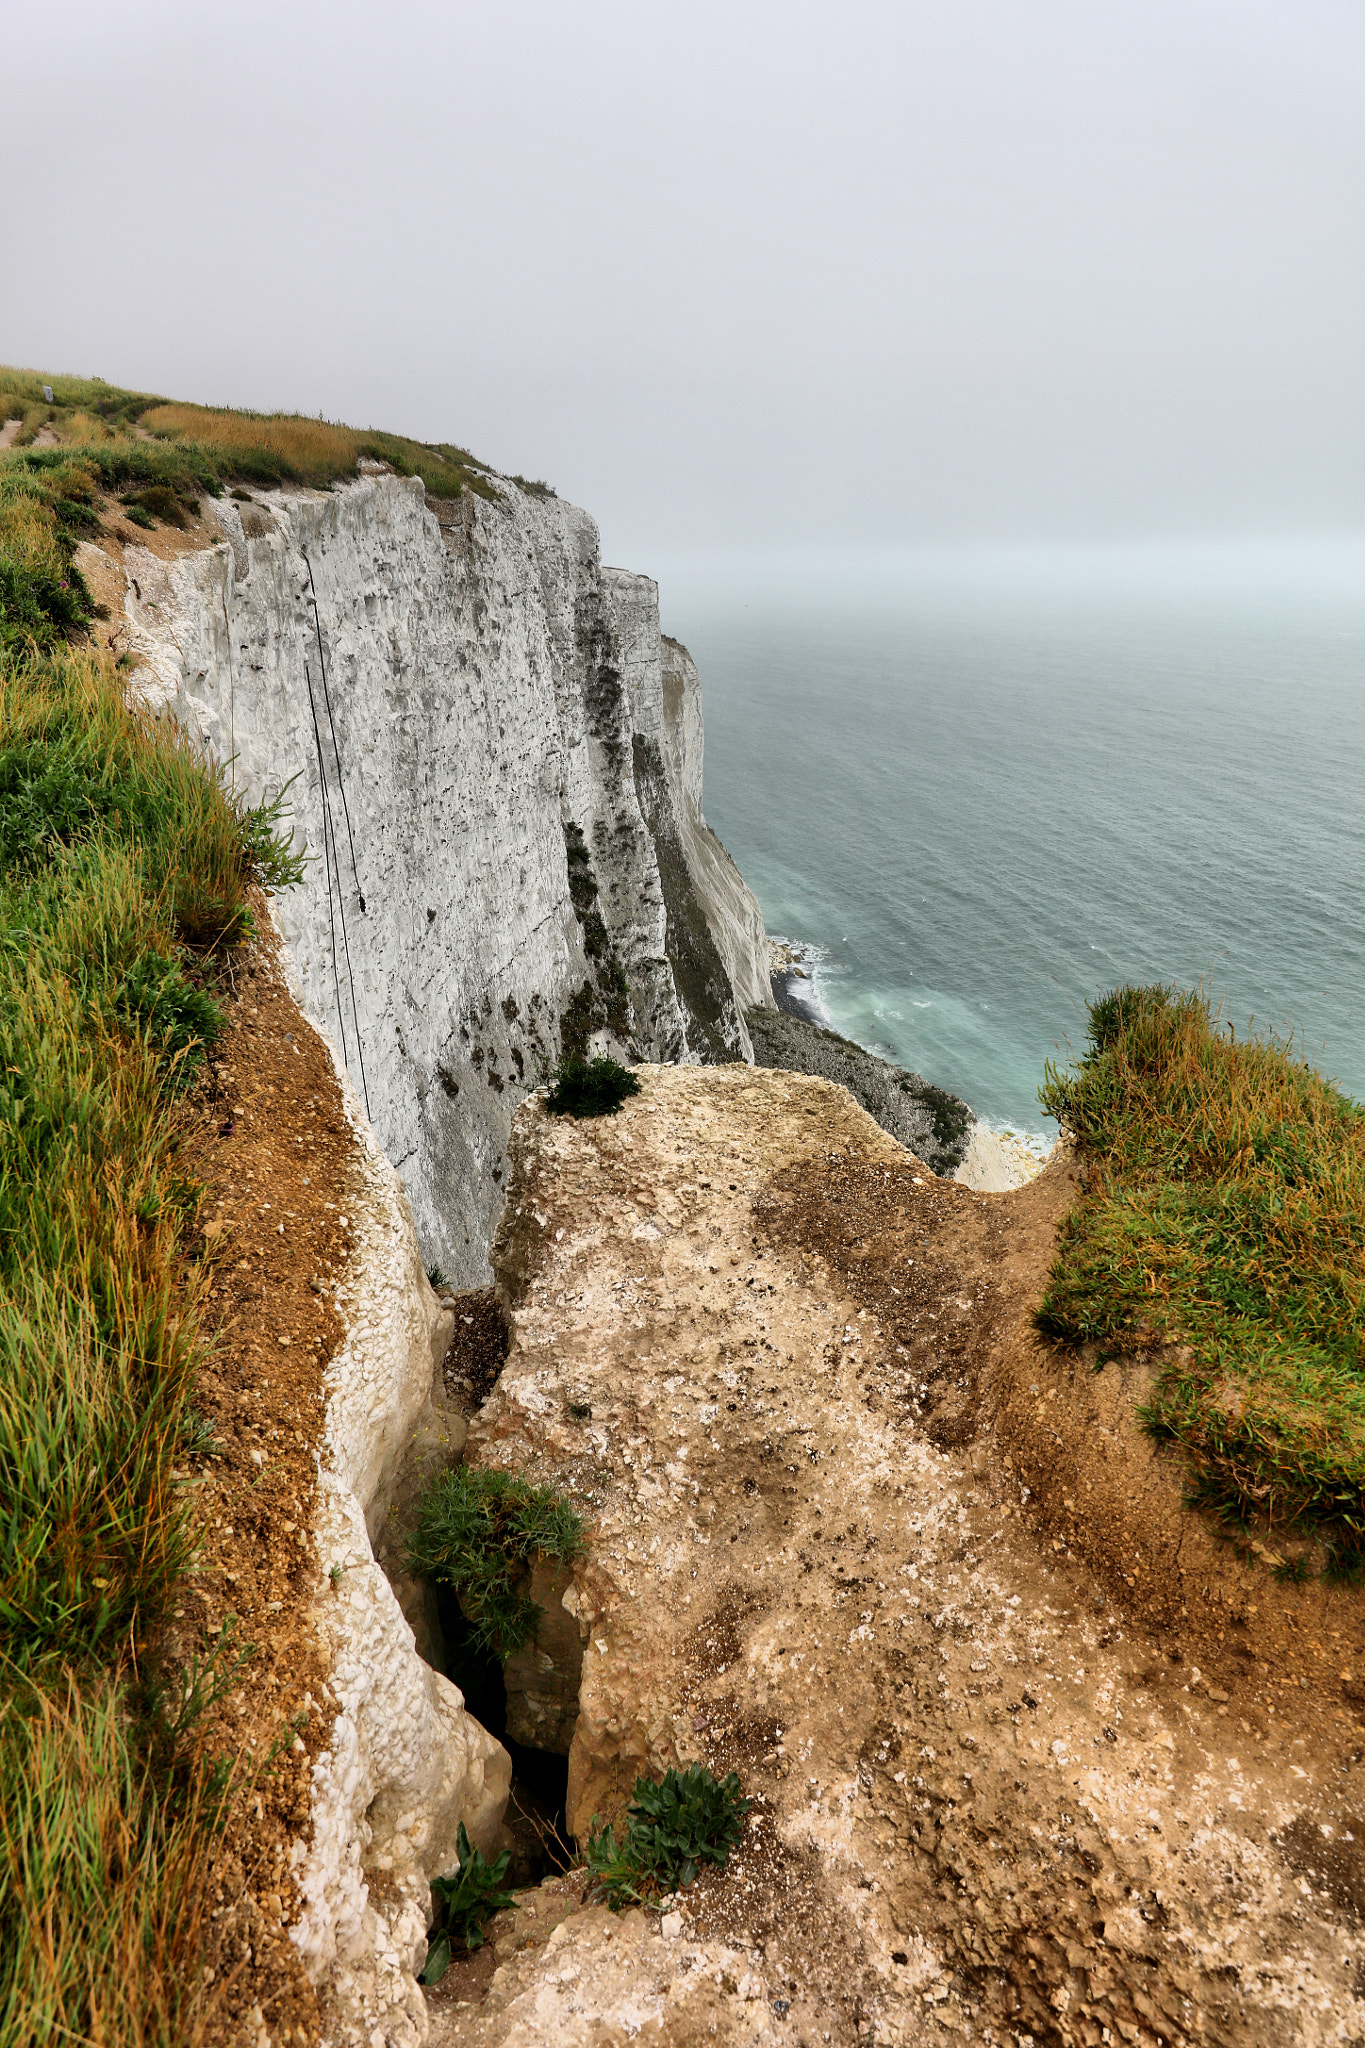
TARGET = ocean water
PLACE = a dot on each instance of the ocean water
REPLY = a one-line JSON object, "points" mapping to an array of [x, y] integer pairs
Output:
{"points": [[981, 788]]}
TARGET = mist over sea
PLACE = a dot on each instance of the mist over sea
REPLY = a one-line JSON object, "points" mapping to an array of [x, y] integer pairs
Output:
{"points": [[984, 786]]}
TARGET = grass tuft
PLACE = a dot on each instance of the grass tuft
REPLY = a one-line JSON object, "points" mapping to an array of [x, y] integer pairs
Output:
{"points": [[481, 1532], [1223, 1218]]}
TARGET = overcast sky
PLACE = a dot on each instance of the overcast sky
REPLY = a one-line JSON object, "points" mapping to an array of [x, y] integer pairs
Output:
{"points": [[750, 275]]}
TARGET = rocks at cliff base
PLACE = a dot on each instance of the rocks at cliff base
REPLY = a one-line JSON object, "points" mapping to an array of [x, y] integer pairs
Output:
{"points": [[928, 1121]]}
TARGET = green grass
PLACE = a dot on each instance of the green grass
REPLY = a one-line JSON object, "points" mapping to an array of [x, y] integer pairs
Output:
{"points": [[1223, 1218], [481, 1532], [124, 871], [106, 1846]]}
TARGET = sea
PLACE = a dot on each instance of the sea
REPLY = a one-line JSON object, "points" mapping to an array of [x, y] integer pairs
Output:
{"points": [[977, 787]]}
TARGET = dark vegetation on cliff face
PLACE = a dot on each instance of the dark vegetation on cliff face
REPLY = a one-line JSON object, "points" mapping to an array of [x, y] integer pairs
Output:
{"points": [[1223, 1219], [124, 871], [698, 970], [603, 1002]]}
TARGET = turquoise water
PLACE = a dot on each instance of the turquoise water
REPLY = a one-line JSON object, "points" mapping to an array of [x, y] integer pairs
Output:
{"points": [[984, 788]]}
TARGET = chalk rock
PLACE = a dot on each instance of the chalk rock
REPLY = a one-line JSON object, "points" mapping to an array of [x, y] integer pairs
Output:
{"points": [[405, 1764], [739, 1312], [437, 693]]}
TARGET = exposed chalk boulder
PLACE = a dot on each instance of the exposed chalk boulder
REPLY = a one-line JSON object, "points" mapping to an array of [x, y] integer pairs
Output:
{"points": [[994, 1163]]}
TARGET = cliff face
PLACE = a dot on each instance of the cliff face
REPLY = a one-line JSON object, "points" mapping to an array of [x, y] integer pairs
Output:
{"points": [[494, 762]]}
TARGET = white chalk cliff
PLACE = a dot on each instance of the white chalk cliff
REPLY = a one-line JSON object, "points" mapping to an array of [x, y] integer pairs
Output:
{"points": [[449, 694]]}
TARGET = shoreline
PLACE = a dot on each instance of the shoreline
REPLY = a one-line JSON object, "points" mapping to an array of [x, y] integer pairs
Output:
{"points": [[995, 1159], [793, 983]]}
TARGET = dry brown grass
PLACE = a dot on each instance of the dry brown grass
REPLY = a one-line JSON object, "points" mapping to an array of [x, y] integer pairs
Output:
{"points": [[108, 1864], [287, 448], [309, 448]]}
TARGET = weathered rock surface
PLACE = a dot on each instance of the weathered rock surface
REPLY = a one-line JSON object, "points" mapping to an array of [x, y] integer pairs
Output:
{"points": [[445, 690], [981, 1808], [994, 1163], [405, 1765]]}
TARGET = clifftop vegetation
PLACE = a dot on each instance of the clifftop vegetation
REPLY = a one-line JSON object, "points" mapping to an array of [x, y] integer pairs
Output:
{"points": [[125, 867], [92, 444], [1224, 1219]]}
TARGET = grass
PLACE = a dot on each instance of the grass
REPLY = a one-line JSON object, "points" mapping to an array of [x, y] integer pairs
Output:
{"points": [[124, 872], [155, 460], [1223, 1219], [102, 1871], [481, 1532]]}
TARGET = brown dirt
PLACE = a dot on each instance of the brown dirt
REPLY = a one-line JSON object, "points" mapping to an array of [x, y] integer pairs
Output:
{"points": [[478, 1347], [272, 1149], [968, 1271]]}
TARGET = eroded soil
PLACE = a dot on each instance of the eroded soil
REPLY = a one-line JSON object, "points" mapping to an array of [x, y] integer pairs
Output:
{"points": [[856, 1534], [272, 1149]]}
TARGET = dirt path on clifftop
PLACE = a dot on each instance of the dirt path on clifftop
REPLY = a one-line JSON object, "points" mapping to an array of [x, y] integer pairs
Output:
{"points": [[792, 1377]]}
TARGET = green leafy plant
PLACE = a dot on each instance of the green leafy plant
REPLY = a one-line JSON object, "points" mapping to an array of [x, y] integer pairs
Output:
{"points": [[437, 1277], [138, 516], [464, 1901], [671, 1829], [481, 1532], [590, 1087], [197, 1434], [161, 501]]}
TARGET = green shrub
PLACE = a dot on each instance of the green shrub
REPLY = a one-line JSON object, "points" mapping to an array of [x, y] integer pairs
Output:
{"points": [[1223, 1213], [464, 1901], [590, 1087], [160, 501], [481, 1532], [671, 1829], [138, 516], [40, 605]]}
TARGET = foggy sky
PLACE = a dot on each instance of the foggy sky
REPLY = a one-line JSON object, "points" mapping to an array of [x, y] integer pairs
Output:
{"points": [[749, 275]]}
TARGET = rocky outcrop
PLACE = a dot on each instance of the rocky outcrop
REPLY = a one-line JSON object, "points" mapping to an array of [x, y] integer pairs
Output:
{"points": [[758, 1343], [928, 1121], [451, 700]]}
